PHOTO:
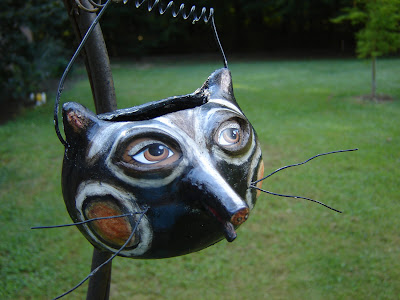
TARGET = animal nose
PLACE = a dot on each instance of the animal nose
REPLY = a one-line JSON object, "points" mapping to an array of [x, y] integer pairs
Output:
{"points": [[215, 193], [240, 216]]}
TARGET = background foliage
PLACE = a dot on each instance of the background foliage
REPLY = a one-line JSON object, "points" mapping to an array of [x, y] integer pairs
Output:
{"points": [[33, 37], [380, 26], [272, 27], [380, 30], [244, 26]]}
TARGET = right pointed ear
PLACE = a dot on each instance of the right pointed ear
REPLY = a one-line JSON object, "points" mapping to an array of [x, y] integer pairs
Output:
{"points": [[219, 86], [77, 121]]}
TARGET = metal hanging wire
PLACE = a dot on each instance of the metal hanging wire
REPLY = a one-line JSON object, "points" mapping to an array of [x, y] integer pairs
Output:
{"points": [[205, 15]]}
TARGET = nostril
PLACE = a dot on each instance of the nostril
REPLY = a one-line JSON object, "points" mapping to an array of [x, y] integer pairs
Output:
{"points": [[240, 217]]}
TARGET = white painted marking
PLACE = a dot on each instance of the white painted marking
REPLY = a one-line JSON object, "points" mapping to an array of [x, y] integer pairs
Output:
{"points": [[93, 189]]}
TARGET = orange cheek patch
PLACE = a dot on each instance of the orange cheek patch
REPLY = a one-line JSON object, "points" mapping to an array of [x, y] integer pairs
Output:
{"points": [[260, 174], [115, 231]]}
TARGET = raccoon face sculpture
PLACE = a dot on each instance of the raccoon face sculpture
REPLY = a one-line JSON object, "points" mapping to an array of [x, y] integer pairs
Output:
{"points": [[189, 159]]}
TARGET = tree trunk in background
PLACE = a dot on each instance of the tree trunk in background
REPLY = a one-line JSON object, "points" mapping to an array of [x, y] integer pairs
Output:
{"points": [[373, 81]]}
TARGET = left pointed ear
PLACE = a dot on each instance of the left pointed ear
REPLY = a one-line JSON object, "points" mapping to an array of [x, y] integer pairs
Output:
{"points": [[219, 85], [78, 121]]}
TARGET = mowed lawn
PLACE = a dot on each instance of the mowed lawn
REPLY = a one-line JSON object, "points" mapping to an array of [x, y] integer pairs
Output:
{"points": [[289, 248]]}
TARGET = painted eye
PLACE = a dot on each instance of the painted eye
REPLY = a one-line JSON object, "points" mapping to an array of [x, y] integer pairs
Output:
{"points": [[149, 152], [229, 136], [153, 153], [232, 135]]}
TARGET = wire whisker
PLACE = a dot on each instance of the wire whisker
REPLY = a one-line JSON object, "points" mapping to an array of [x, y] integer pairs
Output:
{"points": [[108, 260], [296, 197], [302, 163], [86, 221]]}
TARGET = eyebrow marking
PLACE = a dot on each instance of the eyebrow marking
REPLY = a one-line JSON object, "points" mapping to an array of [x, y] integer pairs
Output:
{"points": [[228, 104]]}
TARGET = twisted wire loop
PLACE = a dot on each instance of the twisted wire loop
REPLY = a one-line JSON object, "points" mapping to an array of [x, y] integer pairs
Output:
{"points": [[98, 5], [94, 9]]}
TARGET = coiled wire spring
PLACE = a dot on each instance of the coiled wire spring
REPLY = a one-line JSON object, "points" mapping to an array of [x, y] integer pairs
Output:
{"points": [[181, 10], [205, 15]]}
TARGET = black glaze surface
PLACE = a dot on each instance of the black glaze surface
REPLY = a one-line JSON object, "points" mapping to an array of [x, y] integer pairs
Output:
{"points": [[197, 193]]}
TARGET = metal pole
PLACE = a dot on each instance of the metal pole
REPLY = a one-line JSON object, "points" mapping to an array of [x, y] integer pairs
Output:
{"points": [[99, 283], [101, 81], [96, 57]]}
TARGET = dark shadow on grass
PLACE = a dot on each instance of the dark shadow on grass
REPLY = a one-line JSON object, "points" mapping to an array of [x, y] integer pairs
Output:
{"points": [[377, 98], [9, 109]]}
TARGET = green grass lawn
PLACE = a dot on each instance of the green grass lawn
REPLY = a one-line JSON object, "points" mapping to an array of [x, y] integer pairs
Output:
{"points": [[289, 248]]}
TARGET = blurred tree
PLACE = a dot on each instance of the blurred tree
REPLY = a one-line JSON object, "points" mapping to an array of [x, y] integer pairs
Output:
{"points": [[277, 24], [31, 45], [244, 26], [134, 32], [33, 33], [380, 30]]}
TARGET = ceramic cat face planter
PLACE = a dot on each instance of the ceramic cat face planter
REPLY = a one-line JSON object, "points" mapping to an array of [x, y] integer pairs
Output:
{"points": [[189, 159]]}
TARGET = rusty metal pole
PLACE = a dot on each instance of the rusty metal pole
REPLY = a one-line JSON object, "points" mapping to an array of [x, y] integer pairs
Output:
{"points": [[101, 81], [95, 56]]}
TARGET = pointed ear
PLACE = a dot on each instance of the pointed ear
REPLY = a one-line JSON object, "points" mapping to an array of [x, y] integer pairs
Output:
{"points": [[219, 85], [77, 121]]}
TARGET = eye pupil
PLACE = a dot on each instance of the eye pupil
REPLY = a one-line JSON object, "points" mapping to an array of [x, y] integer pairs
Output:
{"points": [[229, 136], [146, 151], [232, 134], [156, 150]]}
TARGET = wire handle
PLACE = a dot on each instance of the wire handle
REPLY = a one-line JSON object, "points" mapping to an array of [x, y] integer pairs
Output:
{"points": [[204, 15]]}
